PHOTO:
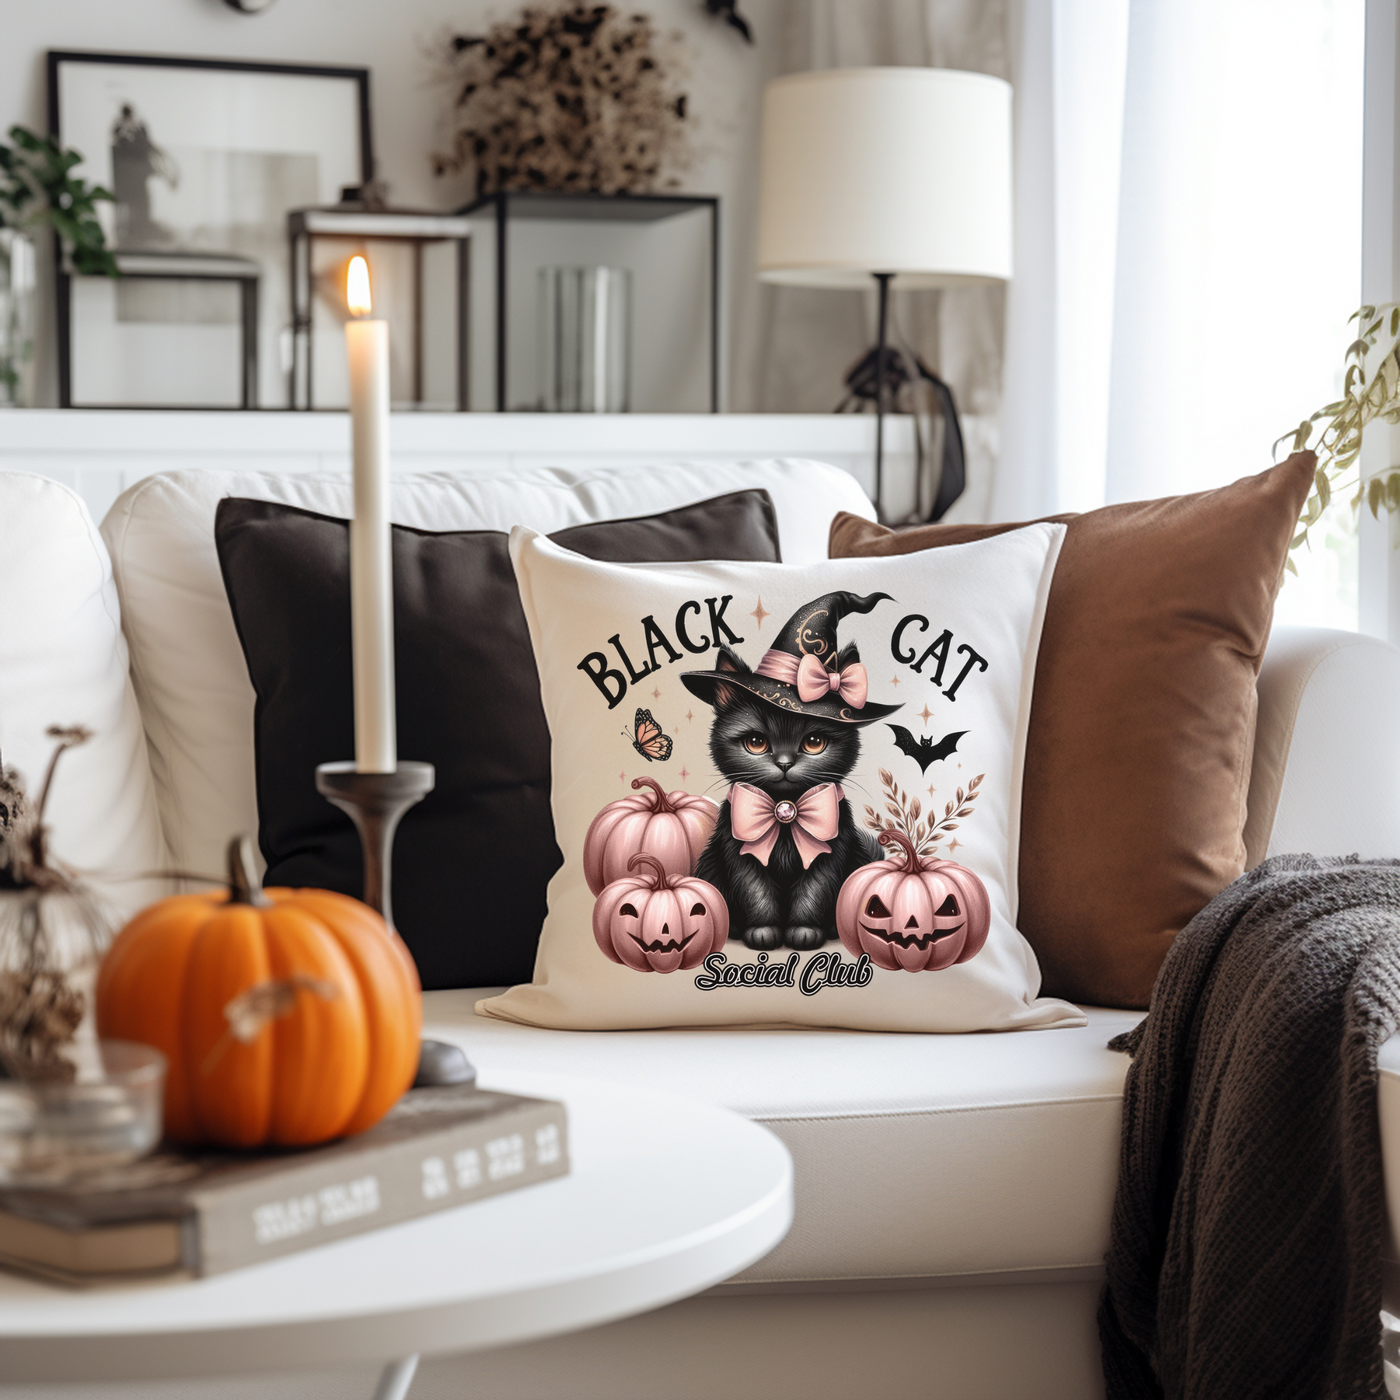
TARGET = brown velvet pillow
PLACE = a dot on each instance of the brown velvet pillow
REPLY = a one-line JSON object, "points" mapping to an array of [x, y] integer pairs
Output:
{"points": [[1142, 723]]}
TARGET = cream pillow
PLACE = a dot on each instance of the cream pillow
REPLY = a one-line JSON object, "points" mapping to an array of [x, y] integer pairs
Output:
{"points": [[728, 742], [63, 660]]}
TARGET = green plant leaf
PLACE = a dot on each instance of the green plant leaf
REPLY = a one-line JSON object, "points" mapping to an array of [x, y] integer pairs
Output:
{"points": [[37, 186]]}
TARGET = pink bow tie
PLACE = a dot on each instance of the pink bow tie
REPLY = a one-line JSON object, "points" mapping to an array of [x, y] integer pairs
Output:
{"points": [[756, 819]]}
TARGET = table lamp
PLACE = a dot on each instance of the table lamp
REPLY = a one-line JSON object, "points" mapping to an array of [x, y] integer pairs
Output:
{"points": [[887, 173]]}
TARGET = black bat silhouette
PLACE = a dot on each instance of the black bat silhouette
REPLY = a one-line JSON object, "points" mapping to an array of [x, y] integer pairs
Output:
{"points": [[728, 11], [925, 751]]}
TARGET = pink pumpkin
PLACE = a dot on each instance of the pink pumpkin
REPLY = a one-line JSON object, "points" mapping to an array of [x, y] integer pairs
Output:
{"points": [[911, 912], [657, 921], [672, 826]]}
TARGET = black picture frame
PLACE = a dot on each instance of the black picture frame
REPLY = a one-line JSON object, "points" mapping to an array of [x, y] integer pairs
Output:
{"points": [[57, 59]]}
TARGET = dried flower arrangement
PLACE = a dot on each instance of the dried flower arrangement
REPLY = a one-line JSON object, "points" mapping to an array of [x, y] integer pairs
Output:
{"points": [[906, 814], [581, 98], [52, 927]]}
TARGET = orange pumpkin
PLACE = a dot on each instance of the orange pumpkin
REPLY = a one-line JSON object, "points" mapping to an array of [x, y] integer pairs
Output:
{"points": [[287, 1017]]}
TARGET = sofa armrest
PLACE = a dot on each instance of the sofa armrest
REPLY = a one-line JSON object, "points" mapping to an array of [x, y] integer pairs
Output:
{"points": [[1326, 780], [1326, 775]]}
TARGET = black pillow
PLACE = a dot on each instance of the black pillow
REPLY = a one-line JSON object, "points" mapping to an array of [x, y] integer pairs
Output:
{"points": [[471, 861]]}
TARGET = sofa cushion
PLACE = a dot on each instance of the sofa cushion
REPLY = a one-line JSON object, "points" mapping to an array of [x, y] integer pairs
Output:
{"points": [[916, 1156], [1142, 727], [63, 660], [188, 668], [784, 740], [472, 860]]}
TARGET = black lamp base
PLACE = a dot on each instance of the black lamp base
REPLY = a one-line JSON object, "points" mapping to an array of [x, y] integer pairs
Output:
{"points": [[376, 802], [883, 281], [878, 377]]}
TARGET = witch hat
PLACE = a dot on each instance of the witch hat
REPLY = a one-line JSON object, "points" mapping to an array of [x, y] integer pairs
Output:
{"points": [[804, 672]]}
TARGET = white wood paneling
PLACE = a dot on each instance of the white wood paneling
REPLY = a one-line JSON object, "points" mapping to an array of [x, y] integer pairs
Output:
{"points": [[100, 454]]}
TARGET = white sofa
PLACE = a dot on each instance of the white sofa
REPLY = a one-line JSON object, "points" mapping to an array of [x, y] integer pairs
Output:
{"points": [[950, 1219]]}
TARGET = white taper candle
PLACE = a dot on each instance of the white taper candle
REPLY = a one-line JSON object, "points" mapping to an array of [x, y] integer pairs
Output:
{"points": [[371, 560]]}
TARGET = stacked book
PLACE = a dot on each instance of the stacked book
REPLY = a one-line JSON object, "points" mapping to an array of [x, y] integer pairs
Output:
{"points": [[201, 1213]]}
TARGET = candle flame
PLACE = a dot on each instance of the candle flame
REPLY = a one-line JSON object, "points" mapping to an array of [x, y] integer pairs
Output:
{"points": [[357, 287]]}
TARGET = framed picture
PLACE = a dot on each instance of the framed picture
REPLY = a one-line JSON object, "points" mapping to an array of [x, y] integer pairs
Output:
{"points": [[205, 158]]}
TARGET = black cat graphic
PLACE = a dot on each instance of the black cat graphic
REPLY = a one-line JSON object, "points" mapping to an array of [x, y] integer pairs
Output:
{"points": [[785, 735]]}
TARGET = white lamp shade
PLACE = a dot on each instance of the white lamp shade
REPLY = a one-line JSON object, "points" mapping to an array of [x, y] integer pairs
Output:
{"points": [[901, 170]]}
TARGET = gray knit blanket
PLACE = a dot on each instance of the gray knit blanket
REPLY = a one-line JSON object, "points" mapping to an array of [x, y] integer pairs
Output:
{"points": [[1244, 1259]]}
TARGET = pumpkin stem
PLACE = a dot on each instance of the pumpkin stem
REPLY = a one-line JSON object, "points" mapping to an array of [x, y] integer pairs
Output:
{"points": [[662, 805], [663, 880], [243, 885], [911, 856]]}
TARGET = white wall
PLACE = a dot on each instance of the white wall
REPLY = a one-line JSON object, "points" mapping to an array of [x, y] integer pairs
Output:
{"points": [[393, 39]]}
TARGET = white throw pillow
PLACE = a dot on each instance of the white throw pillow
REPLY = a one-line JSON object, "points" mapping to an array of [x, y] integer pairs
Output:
{"points": [[727, 739], [191, 679], [63, 660]]}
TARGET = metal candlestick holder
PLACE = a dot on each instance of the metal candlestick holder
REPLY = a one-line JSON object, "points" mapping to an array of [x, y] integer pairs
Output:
{"points": [[376, 802]]}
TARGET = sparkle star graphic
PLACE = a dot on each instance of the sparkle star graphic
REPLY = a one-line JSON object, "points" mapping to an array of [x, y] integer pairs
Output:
{"points": [[688, 715], [953, 845], [925, 714], [930, 789], [622, 777], [685, 773], [759, 613], [894, 680]]}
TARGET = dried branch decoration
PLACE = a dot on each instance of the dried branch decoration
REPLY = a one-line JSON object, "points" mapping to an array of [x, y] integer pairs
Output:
{"points": [[1370, 390], [40, 1009], [39, 1014], [906, 814], [574, 99]]}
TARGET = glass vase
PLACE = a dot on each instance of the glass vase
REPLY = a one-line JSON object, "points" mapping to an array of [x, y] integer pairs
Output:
{"points": [[18, 293], [585, 339]]}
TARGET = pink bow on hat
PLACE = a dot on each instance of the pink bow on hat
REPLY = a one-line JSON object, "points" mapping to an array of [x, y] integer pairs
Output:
{"points": [[815, 681], [755, 819]]}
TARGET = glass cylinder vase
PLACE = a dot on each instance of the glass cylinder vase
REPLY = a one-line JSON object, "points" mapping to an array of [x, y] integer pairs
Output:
{"points": [[18, 292], [585, 339]]}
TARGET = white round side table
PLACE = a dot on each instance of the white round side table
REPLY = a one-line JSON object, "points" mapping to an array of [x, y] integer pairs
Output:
{"points": [[666, 1197]]}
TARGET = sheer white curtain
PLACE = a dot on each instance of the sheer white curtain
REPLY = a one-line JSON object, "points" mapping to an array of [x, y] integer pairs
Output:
{"points": [[1188, 250]]}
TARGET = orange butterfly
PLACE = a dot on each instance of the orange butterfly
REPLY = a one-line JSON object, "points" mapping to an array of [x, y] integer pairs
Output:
{"points": [[650, 742]]}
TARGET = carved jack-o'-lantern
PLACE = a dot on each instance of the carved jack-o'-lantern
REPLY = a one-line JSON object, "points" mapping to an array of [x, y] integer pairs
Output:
{"points": [[673, 827], [911, 912], [654, 921]]}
